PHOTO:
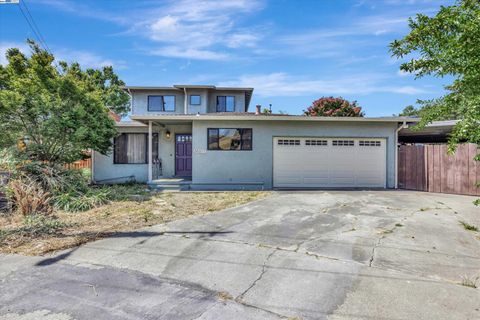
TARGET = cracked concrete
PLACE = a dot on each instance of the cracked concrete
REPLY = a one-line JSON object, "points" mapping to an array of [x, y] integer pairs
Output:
{"points": [[311, 255]]}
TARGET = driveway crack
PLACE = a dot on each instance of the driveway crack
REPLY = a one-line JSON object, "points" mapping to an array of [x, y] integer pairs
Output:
{"points": [[370, 262], [264, 270]]}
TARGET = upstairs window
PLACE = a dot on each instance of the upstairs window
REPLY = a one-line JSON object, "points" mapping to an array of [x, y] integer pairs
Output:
{"points": [[195, 100], [161, 103], [225, 103], [229, 139]]}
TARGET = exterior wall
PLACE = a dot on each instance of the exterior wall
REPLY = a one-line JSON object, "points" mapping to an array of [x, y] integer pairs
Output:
{"points": [[202, 108], [253, 169], [105, 171], [208, 101], [140, 101]]}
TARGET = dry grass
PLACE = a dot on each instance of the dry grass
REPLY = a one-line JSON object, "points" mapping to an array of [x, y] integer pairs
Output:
{"points": [[81, 227]]}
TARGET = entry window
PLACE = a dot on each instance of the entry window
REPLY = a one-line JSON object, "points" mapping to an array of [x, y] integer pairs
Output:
{"points": [[195, 100], [229, 139], [132, 148], [288, 142], [225, 103], [369, 143], [184, 138], [161, 103], [343, 143], [316, 142]]}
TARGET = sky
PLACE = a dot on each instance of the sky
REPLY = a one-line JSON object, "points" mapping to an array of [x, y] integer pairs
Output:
{"points": [[291, 52]]}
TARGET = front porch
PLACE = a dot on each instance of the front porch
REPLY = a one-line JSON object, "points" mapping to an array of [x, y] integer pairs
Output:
{"points": [[169, 161]]}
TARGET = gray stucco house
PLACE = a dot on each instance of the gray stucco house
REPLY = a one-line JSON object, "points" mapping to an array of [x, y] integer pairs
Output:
{"points": [[205, 136]]}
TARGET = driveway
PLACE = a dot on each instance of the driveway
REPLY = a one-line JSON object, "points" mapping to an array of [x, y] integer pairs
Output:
{"points": [[298, 255]]}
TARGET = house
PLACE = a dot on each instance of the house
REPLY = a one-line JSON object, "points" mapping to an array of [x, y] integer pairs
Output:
{"points": [[209, 138]]}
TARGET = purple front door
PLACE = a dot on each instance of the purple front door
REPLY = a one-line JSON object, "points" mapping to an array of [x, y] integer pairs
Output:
{"points": [[183, 155]]}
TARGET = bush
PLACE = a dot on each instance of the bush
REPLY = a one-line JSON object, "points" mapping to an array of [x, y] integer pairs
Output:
{"points": [[334, 107], [75, 202], [28, 197]]}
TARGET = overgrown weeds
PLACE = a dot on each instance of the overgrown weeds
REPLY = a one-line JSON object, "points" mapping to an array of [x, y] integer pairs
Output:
{"points": [[469, 227], [29, 197], [470, 281]]}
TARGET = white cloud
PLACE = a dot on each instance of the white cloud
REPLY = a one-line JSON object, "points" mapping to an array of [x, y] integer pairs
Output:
{"points": [[198, 29], [87, 59], [189, 53], [281, 84]]}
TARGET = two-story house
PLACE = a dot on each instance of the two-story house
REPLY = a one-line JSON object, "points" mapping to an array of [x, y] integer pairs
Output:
{"points": [[205, 137]]}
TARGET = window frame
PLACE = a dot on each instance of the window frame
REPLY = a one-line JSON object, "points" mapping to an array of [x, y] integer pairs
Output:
{"points": [[163, 102], [199, 100], [218, 139], [146, 147], [226, 97]]}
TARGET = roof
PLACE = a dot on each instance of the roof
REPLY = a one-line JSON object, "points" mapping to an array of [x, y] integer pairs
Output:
{"points": [[187, 86], [437, 131], [249, 116]]}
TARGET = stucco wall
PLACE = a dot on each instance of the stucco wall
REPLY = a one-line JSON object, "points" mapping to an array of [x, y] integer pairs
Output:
{"points": [[252, 167], [105, 171]]}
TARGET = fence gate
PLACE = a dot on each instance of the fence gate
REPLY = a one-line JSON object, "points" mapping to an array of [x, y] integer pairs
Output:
{"points": [[430, 168]]}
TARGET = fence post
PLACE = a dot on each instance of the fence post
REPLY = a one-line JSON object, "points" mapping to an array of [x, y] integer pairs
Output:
{"points": [[4, 177]]}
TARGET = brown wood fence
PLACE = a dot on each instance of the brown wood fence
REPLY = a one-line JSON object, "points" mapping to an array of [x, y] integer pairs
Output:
{"points": [[431, 168], [81, 164]]}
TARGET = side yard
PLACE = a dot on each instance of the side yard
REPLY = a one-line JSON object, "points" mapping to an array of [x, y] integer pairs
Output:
{"points": [[132, 207]]}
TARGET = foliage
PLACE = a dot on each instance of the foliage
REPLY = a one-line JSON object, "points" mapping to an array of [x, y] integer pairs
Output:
{"points": [[54, 112], [447, 45], [334, 107], [29, 197], [410, 111], [34, 226]]}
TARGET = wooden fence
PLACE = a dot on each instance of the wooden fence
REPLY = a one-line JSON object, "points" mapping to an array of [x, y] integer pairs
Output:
{"points": [[430, 168], [81, 164]]}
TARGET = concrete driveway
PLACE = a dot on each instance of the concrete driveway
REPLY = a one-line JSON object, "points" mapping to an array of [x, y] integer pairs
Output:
{"points": [[297, 255]]}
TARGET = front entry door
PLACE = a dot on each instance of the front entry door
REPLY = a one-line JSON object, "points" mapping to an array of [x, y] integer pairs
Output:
{"points": [[183, 155]]}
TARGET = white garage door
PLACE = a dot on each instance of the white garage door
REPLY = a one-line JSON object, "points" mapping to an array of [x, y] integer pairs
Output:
{"points": [[329, 162]]}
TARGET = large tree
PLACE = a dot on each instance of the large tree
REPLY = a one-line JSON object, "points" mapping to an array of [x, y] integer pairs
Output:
{"points": [[448, 44], [57, 111], [334, 107]]}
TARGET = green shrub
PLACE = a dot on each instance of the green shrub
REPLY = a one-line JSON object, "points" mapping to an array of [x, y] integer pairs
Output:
{"points": [[75, 202]]}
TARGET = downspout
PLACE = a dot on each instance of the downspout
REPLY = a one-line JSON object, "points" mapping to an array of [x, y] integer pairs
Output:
{"points": [[131, 100], [185, 111], [92, 169], [403, 126]]}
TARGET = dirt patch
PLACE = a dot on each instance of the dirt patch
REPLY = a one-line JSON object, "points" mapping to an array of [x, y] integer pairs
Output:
{"points": [[65, 230]]}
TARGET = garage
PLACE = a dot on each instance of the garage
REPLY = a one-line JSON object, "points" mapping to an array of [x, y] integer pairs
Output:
{"points": [[318, 162]]}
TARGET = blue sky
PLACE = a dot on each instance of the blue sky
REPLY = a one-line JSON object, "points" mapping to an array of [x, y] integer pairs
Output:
{"points": [[291, 52]]}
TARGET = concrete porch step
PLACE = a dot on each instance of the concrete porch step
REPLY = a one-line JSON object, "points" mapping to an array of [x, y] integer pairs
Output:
{"points": [[173, 184]]}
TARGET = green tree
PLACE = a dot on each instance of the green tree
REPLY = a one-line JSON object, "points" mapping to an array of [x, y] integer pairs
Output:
{"points": [[334, 107], [410, 111], [57, 111], [447, 44]]}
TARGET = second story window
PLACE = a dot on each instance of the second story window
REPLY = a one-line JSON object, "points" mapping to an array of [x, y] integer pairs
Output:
{"points": [[195, 100], [161, 103], [225, 103]]}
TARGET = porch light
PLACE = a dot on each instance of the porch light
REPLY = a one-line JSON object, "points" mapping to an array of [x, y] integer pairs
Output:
{"points": [[167, 134]]}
